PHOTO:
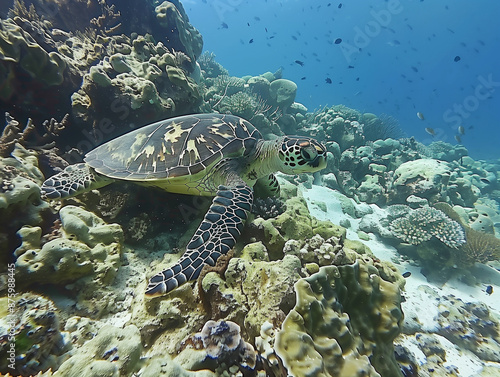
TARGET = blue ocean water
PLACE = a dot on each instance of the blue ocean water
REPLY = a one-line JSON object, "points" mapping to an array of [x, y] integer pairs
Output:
{"points": [[440, 58]]}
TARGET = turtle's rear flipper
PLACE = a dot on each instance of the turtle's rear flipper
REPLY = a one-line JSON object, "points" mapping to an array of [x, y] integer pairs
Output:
{"points": [[73, 180], [215, 236]]}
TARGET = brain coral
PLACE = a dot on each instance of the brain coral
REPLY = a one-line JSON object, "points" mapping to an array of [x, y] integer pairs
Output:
{"points": [[343, 324]]}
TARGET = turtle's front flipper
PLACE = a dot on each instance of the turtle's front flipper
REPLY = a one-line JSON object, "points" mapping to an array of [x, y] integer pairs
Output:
{"points": [[73, 180], [215, 236]]}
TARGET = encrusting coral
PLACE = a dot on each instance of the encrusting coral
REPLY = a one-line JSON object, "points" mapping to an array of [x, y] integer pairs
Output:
{"points": [[88, 247], [343, 324]]}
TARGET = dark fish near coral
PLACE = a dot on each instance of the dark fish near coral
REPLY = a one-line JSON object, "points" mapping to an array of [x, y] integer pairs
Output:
{"points": [[485, 180], [406, 274], [299, 62], [458, 138], [420, 115], [338, 41], [457, 59], [461, 130], [489, 289], [328, 80], [430, 131]]}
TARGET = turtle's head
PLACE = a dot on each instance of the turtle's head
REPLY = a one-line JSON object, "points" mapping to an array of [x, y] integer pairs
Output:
{"points": [[300, 154]]}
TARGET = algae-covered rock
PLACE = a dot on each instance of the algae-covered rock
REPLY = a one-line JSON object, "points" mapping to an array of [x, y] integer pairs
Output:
{"points": [[112, 352], [343, 324], [88, 246]]}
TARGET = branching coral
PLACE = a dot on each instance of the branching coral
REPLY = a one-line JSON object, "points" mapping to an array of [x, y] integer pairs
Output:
{"points": [[422, 224], [13, 134]]}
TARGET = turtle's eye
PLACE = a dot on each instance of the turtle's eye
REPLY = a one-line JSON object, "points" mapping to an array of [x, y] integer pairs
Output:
{"points": [[305, 154]]}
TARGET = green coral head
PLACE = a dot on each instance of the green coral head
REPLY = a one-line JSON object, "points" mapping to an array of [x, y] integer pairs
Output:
{"points": [[300, 154]]}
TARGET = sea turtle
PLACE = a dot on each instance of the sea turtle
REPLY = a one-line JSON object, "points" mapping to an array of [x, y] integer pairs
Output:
{"points": [[205, 154]]}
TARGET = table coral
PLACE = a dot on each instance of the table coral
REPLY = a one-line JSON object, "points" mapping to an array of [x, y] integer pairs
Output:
{"points": [[422, 224], [343, 324]]}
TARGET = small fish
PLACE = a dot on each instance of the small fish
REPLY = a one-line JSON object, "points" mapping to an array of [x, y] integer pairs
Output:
{"points": [[485, 180], [489, 289], [461, 130], [338, 41], [248, 23], [250, 41], [351, 66], [406, 274], [415, 69], [458, 138], [420, 115], [294, 37], [457, 59], [266, 29], [224, 25], [303, 78], [299, 62], [256, 18], [340, 6], [328, 80], [430, 131]]}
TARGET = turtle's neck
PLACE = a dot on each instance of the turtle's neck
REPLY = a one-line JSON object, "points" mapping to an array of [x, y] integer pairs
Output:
{"points": [[266, 159]]}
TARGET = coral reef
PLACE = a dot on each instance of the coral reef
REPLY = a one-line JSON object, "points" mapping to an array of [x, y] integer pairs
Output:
{"points": [[329, 333]]}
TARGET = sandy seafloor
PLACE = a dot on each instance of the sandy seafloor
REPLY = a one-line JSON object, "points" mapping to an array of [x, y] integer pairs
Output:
{"points": [[418, 302]]}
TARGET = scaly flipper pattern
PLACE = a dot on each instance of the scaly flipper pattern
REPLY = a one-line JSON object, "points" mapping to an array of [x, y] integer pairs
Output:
{"points": [[216, 235], [73, 180]]}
